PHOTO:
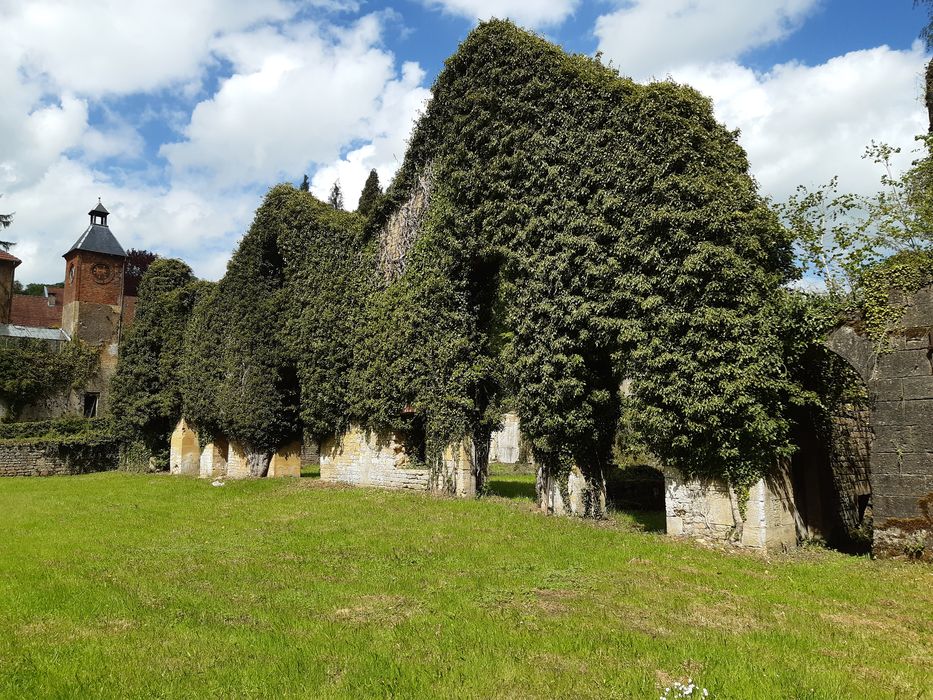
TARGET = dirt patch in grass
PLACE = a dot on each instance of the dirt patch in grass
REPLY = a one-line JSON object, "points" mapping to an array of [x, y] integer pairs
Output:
{"points": [[383, 610]]}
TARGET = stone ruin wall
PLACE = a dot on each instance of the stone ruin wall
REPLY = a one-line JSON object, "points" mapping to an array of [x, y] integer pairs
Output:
{"points": [[703, 509], [505, 447], [39, 460], [850, 463], [900, 384], [364, 458], [224, 458]]}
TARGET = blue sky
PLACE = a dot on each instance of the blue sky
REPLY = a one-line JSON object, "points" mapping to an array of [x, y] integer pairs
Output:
{"points": [[181, 114]]}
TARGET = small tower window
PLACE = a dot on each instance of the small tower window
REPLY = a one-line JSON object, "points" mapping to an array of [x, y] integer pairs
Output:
{"points": [[71, 273], [91, 400]]}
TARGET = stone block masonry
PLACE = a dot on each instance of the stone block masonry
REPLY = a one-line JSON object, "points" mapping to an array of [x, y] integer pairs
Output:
{"points": [[704, 509], [365, 458], [43, 460], [899, 377]]}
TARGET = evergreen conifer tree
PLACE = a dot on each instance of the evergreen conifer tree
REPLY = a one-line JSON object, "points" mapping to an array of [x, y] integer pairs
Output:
{"points": [[305, 185], [335, 198], [371, 194]]}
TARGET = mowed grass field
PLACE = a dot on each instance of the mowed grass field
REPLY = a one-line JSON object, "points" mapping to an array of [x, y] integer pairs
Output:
{"points": [[116, 585]]}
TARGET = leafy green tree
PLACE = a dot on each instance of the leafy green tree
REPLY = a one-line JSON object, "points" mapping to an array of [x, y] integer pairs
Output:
{"points": [[147, 401], [335, 198], [371, 194], [31, 370], [832, 234], [841, 235], [137, 262]]}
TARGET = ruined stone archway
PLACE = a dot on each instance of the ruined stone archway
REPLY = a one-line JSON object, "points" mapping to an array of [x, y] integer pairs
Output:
{"points": [[899, 378]]}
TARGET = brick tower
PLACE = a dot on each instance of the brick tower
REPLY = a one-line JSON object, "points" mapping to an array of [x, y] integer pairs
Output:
{"points": [[8, 265], [93, 300]]}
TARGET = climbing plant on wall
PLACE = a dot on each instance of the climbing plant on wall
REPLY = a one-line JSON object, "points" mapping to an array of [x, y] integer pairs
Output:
{"points": [[621, 236], [34, 369], [146, 398], [554, 230], [239, 378]]}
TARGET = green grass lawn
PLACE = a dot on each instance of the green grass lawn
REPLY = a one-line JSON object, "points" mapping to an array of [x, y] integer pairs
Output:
{"points": [[118, 585]]}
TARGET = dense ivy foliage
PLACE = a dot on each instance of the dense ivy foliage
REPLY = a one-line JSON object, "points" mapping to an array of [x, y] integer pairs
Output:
{"points": [[146, 397], [239, 379], [34, 369], [902, 274], [88, 445], [326, 275], [556, 230], [624, 239]]}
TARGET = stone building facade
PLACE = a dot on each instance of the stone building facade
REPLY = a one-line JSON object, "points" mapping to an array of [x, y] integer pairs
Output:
{"points": [[91, 307]]}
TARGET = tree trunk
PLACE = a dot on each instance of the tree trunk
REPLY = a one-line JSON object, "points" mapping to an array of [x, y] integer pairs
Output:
{"points": [[480, 468]]}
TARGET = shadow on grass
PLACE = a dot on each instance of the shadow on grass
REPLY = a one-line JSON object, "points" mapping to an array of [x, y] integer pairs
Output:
{"points": [[646, 520], [512, 486], [311, 471]]}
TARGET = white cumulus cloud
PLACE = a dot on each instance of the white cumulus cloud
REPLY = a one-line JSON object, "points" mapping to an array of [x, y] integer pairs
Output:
{"points": [[804, 124], [531, 13], [295, 98], [650, 38]]}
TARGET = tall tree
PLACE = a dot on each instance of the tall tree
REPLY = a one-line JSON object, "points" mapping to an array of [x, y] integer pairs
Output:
{"points": [[369, 198], [137, 262], [335, 198], [305, 185]]}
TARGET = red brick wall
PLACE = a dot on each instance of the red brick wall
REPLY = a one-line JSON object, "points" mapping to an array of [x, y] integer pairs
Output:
{"points": [[84, 286]]}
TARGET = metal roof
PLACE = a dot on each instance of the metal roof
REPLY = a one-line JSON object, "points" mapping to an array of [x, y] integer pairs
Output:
{"points": [[8, 330], [99, 209], [98, 239]]}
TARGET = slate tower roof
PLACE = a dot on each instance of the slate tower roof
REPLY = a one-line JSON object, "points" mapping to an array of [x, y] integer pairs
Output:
{"points": [[98, 238]]}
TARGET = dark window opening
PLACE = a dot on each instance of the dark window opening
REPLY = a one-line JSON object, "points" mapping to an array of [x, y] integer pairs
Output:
{"points": [[90, 405]]}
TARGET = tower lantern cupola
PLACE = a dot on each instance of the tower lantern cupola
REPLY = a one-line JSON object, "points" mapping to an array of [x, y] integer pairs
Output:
{"points": [[99, 214]]}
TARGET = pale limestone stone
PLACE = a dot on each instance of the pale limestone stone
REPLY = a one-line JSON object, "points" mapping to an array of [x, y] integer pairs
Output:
{"points": [[184, 452], [505, 443], [237, 468], [286, 462], [703, 509], [364, 458], [214, 459]]}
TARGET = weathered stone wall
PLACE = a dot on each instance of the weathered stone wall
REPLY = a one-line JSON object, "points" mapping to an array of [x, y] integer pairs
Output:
{"points": [[224, 458], [900, 383], [40, 460], [571, 498], [184, 451], [505, 446], [850, 461], [365, 458], [704, 509]]}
